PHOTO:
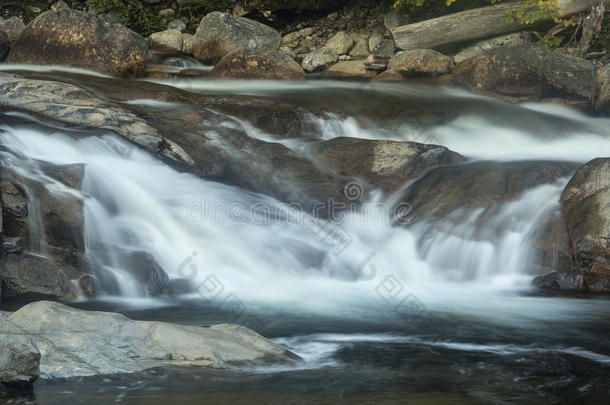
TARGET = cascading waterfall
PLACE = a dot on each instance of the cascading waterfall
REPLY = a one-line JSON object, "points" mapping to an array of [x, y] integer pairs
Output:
{"points": [[210, 233]]}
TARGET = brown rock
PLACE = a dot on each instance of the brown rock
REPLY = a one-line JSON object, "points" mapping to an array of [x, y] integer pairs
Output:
{"points": [[253, 64]]}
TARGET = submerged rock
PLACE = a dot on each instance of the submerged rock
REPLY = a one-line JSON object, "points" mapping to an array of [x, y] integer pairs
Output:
{"points": [[75, 38], [529, 72], [221, 33], [76, 343], [253, 64]]}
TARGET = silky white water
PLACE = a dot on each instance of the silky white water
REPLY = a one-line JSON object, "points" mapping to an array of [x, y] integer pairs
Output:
{"points": [[250, 249]]}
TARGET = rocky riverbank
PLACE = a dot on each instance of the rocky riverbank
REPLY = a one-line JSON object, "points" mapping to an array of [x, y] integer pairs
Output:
{"points": [[346, 42]]}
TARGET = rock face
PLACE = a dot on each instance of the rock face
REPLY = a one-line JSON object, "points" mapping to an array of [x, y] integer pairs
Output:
{"points": [[419, 62], [42, 233], [253, 64], [72, 105], [75, 38], [384, 164], [450, 188], [19, 359], [220, 33], [585, 204], [318, 60], [72, 343], [520, 73]]}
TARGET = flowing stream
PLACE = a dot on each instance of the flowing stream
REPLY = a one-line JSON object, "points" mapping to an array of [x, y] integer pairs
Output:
{"points": [[430, 313]]}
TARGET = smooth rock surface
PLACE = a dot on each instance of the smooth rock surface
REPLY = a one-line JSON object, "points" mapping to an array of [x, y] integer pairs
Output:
{"points": [[76, 343], [480, 48], [419, 62], [318, 60]]}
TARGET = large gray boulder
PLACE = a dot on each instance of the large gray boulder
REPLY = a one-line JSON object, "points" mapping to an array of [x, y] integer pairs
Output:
{"points": [[254, 64], [75, 38], [319, 59], [19, 358], [529, 72], [76, 343], [221, 33]]}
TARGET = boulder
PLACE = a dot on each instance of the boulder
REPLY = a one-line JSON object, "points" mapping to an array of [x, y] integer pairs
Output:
{"points": [[169, 42], [74, 106], [254, 64], [390, 76], [341, 43], [220, 34], [19, 358], [516, 38], [418, 62], [374, 40], [74, 343], [531, 72], [455, 188], [387, 165], [13, 28], [75, 38], [354, 69], [318, 60], [585, 203]]}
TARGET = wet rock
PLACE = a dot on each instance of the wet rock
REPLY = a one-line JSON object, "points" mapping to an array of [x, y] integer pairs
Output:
{"points": [[19, 358], [13, 28], [387, 165], [253, 64], [559, 281], [585, 203], [341, 43], [390, 76], [76, 38], [221, 33], [519, 73], [318, 60], [72, 105], [517, 38], [419, 62], [456, 188], [72, 342], [349, 70]]}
